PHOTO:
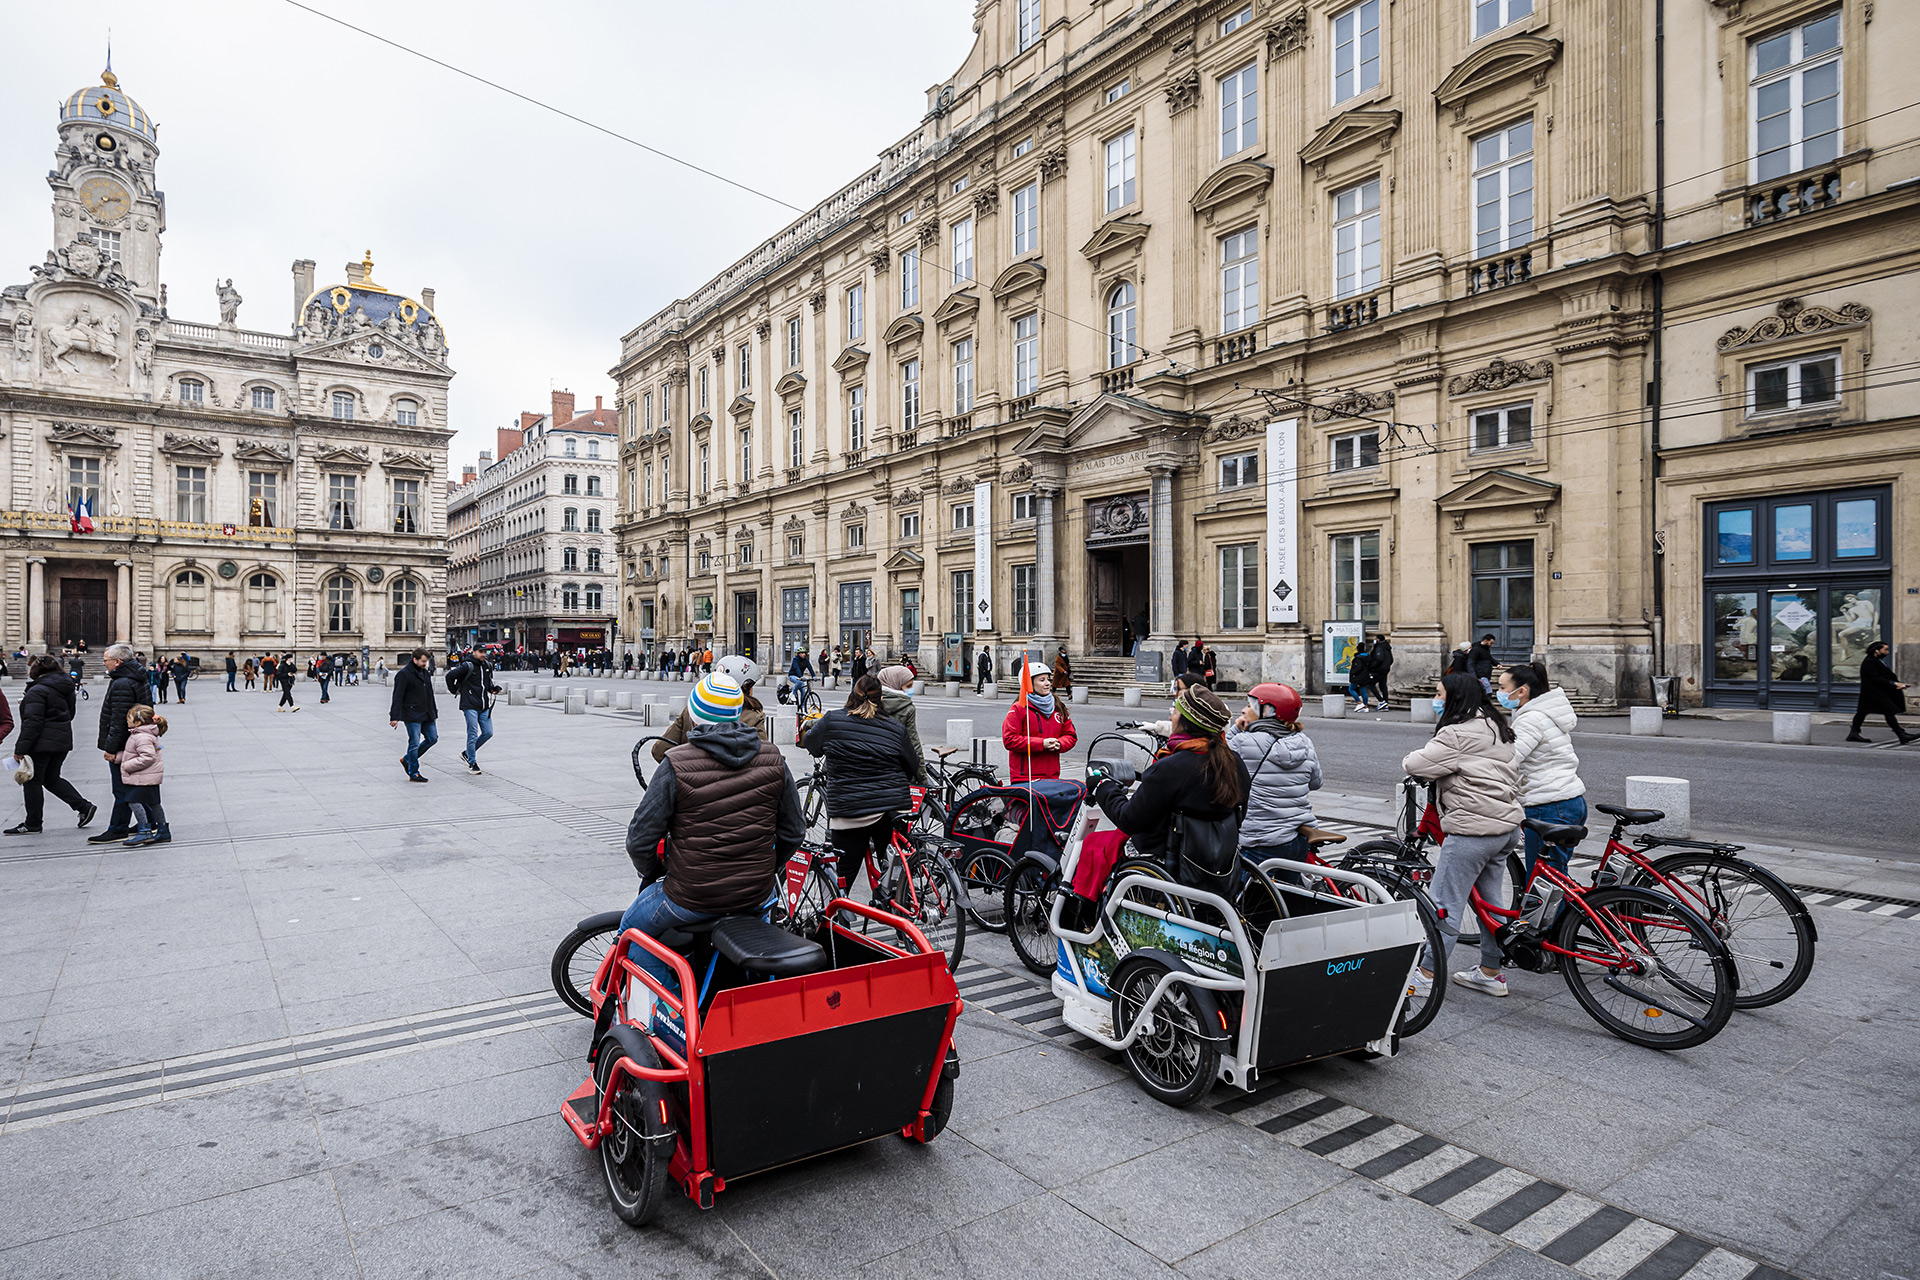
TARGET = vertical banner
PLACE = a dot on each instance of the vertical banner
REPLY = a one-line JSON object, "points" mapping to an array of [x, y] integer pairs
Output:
{"points": [[983, 556], [1283, 520]]}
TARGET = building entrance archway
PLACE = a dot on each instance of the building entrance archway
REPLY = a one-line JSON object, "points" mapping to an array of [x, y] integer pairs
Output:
{"points": [[1119, 574]]}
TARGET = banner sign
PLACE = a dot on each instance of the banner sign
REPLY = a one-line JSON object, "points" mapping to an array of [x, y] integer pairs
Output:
{"points": [[983, 556], [1339, 642], [1283, 520]]}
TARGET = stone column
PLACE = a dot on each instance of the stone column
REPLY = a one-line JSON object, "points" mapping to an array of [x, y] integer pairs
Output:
{"points": [[36, 601], [123, 602], [1044, 567], [1161, 529]]}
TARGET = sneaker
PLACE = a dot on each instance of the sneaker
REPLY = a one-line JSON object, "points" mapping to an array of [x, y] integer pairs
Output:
{"points": [[417, 777], [1419, 986], [1478, 981], [472, 767], [86, 814], [109, 836], [22, 830]]}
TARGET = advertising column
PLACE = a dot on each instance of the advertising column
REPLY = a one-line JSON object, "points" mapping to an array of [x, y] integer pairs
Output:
{"points": [[1283, 521], [983, 556]]}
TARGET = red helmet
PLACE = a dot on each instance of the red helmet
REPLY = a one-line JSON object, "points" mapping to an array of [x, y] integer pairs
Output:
{"points": [[1283, 699]]}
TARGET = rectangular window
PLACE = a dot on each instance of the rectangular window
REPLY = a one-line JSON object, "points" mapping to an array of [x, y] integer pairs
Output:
{"points": [[963, 376], [796, 545], [1356, 50], [856, 312], [909, 278], [1236, 21], [1026, 354], [646, 493], [1804, 382], [744, 553], [746, 456], [703, 608], [1021, 147], [963, 250], [647, 420], [1239, 280], [1796, 98], [1491, 15], [1356, 239], [1026, 24], [1356, 578], [570, 484], [706, 469], [910, 396], [342, 492], [1503, 427], [963, 610], [796, 440], [263, 498], [263, 398], [1120, 171], [1023, 506], [704, 401], [856, 537], [109, 244], [959, 185], [856, 417], [190, 494], [909, 526], [1240, 471], [1793, 532], [1240, 110], [910, 617], [1026, 597], [343, 406], [705, 562], [1240, 586], [1503, 189], [405, 412], [963, 515], [406, 507], [1733, 537], [1119, 91], [793, 342], [745, 358], [83, 482], [1856, 528], [193, 391], [1026, 219], [593, 483], [666, 405], [1355, 450]]}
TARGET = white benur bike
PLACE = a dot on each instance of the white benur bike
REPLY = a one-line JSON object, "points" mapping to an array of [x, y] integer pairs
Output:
{"points": [[1173, 976]]}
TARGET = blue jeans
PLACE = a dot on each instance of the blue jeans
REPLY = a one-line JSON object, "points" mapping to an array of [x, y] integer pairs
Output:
{"points": [[1294, 850], [230, 678], [1572, 811], [479, 731], [654, 913], [323, 688], [420, 739]]}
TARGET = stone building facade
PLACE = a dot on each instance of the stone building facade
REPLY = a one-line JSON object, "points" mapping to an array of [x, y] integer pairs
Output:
{"points": [[247, 490], [1274, 321], [531, 541]]}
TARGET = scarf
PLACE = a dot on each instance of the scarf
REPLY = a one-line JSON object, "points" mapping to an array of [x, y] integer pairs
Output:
{"points": [[1043, 703], [1193, 742]]}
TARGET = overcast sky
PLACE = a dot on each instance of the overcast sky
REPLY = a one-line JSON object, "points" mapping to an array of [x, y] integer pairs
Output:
{"points": [[284, 136]]}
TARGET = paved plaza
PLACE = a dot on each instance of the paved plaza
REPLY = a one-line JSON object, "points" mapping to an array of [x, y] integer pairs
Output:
{"points": [[315, 1036]]}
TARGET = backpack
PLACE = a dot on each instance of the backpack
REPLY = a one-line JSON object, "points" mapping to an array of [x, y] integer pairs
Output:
{"points": [[1203, 851], [456, 676]]}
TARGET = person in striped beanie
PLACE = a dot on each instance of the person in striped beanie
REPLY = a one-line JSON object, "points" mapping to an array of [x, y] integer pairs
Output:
{"points": [[717, 699]]}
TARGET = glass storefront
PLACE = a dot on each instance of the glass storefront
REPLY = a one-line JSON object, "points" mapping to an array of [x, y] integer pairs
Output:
{"points": [[1797, 587]]}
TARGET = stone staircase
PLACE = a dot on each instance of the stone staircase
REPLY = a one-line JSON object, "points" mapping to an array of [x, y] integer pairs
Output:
{"points": [[1105, 676]]}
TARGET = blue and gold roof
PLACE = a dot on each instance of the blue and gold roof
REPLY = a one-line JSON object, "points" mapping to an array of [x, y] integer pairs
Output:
{"points": [[363, 302], [106, 104]]}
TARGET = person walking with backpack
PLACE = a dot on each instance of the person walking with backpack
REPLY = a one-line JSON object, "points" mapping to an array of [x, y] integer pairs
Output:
{"points": [[414, 706], [46, 738], [128, 687], [472, 679], [1360, 676], [323, 672], [1380, 660], [982, 667]]}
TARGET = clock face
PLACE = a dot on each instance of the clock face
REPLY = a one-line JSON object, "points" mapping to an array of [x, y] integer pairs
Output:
{"points": [[104, 198]]}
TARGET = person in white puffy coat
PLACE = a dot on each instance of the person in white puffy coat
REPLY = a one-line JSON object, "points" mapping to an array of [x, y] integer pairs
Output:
{"points": [[1543, 724]]}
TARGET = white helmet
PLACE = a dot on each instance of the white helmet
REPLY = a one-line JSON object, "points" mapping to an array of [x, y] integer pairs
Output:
{"points": [[742, 668]]}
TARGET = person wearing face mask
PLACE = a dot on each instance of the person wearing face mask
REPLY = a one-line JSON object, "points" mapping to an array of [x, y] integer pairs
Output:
{"points": [[1550, 786]]}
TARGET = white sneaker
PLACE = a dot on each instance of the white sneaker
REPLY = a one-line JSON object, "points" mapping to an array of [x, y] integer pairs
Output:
{"points": [[1478, 981], [1419, 986]]}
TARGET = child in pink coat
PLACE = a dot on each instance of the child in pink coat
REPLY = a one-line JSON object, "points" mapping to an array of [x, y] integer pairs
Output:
{"points": [[141, 769]]}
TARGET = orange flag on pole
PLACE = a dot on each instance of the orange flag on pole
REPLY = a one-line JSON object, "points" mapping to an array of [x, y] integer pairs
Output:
{"points": [[1026, 689]]}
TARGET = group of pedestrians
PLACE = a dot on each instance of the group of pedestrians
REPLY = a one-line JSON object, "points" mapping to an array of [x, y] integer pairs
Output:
{"points": [[1367, 673]]}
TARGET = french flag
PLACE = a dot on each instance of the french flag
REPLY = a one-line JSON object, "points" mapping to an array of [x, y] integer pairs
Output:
{"points": [[82, 512]]}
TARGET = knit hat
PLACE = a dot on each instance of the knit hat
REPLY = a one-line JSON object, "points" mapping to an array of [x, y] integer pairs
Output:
{"points": [[896, 677], [1201, 710], [717, 699]]}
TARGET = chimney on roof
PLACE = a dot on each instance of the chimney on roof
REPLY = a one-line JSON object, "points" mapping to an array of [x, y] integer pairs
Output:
{"points": [[562, 408], [468, 474], [486, 457], [302, 285], [426, 297], [356, 273], [599, 406], [527, 420], [506, 439]]}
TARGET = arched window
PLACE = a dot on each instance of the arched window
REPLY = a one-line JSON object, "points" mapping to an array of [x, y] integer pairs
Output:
{"points": [[192, 391], [593, 559], [593, 446], [343, 406], [405, 594], [263, 602], [406, 413], [593, 519], [570, 597], [189, 601], [340, 603], [570, 520], [570, 484], [569, 559], [1122, 315]]}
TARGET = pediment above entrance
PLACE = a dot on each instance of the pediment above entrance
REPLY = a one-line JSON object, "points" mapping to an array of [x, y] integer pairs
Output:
{"points": [[904, 559], [1498, 490], [1495, 65], [1113, 421], [1348, 130]]}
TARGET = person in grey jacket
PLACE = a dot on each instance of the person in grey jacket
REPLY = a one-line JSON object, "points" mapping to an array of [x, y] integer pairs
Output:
{"points": [[897, 704], [1284, 768]]}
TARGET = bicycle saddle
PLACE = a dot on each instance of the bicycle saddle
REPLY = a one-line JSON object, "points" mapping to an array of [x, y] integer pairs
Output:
{"points": [[944, 752], [1316, 837], [1557, 833], [1632, 817], [766, 950]]}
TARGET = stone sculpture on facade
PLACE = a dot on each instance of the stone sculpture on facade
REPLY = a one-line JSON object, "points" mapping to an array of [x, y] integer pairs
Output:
{"points": [[230, 301], [99, 335]]}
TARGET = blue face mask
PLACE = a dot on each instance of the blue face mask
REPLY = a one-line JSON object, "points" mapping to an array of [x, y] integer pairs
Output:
{"points": [[1507, 701], [1439, 707]]}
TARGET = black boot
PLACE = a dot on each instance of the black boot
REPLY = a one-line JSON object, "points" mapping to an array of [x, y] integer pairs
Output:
{"points": [[1858, 737], [22, 830]]}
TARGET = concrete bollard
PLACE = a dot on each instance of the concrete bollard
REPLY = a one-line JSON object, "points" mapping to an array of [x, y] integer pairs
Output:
{"points": [[1333, 706], [919, 687], [1793, 726], [576, 704], [1646, 722], [1130, 696], [674, 707], [1672, 796], [602, 697], [991, 690], [517, 696], [959, 733], [623, 701], [1079, 693], [953, 688], [1422, 710], [543, 692], [784, 726]]}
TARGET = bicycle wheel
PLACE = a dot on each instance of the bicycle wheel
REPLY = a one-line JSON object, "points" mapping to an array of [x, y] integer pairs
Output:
{"points": [[1027, 904], [923, 887], [932, 818], [983, 875], [1667, 984], [634, 1157], [808, 914], [813, 807], [1170, 1060], [1763, 922], [1419, 1012], [577, 959]]}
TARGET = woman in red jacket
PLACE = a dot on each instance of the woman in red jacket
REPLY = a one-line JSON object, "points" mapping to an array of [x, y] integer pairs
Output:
{"points": [[1037, 730]]}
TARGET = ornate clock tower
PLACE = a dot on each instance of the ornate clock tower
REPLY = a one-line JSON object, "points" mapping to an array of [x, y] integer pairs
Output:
{"points": [[107, 213]]}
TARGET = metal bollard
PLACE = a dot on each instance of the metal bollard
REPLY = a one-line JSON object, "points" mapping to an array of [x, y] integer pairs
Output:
{"points": [[1672, 796], [1647, 722]]}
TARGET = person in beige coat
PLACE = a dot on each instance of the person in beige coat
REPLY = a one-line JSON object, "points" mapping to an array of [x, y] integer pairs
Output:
{"points": [[1476, 776]]}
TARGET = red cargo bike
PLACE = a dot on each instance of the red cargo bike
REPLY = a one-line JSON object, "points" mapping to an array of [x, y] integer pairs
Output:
{"points": [[784, 1047]]}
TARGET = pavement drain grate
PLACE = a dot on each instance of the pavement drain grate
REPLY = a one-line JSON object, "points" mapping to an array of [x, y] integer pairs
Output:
{"points": [[1594, 1238]]}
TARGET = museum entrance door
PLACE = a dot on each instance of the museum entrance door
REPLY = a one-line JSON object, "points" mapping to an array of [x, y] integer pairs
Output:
{"points": [[1119, 574], [83, 611]]}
